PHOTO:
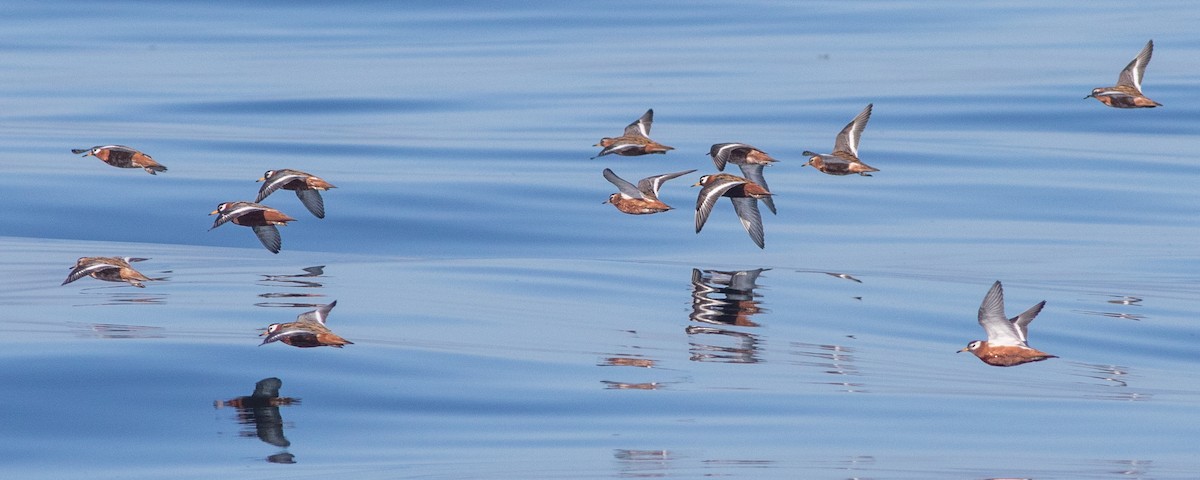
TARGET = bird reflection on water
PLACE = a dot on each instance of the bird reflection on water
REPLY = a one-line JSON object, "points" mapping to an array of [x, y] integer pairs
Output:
{"points": [[725, 297], [261, 410], [836, 360], [1113, 381], [116, 331], [637, 361], [106, 295], [719, 299], [305, 280], [644, 463], [1121, 300], [627, 361], [293, 280], [611, 385]]}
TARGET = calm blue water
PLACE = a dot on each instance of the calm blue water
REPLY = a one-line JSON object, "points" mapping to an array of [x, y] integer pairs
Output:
{"points": [[507, 324]]}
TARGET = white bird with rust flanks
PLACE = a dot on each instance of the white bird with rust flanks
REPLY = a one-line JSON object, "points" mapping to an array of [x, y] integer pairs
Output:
{"points": [[748, 158], [742, 192], [261, 218], [844, 159], [307, 331], [635, 141], [1006, 344], [640, 199], [1127, 93], [306, 185], [121, 156], [109, 269]]}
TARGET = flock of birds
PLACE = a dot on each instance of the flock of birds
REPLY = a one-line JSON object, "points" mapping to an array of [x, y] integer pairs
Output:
{"points": [[309, 329], [1006, 344], [744, 192]]}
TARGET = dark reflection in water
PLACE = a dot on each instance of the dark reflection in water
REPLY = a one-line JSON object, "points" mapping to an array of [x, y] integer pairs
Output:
{"points": [[112, 330], [643, 463], [611, 385], [627, 361], [1124, 300], [281, 457], [298, 280], [724, 298], [835, 360], [260, 410], [295, 279]]}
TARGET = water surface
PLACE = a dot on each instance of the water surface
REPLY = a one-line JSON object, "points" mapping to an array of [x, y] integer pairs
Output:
{"points": [[507, 324]]}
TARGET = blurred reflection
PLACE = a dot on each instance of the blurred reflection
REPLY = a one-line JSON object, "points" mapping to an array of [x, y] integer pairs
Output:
{"points": [[261, 410], [112, 330], [294, 280], [1132, 468], [636, 361], [746, 349], [107, 295], [306, 280], [1122, 316], [628, 361], [1109, 376], [643, 463], [843, 276], [724, 298], [740, 463], [281, 457], [831, 359], [853, 466], [1123, 300], [611, 385]]}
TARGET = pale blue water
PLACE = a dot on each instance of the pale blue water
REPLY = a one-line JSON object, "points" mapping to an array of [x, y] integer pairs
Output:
{"points": [[507, 324]]}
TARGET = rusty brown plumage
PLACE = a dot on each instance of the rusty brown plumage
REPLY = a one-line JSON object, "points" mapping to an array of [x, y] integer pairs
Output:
{"points": [[122, 157], [1006, 344]]}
